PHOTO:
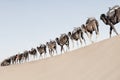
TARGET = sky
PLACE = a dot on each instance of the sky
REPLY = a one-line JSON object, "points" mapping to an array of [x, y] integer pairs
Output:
{"points": [[28, 23]]}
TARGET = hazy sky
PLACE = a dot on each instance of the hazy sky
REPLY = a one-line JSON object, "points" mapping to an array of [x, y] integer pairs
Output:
{"points": [[27, 23]]}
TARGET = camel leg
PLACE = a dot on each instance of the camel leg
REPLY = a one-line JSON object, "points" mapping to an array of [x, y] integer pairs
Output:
{"points": [[33, 57], [73, 43], [41, 55], [17, 61], [67, 44], [110, 31], [91, 37], [115, 31], [87, 34], [77, 43], [49, 52], [83, 38], [22, 61], [52, 52], [27, 60], [36, 56], [55, 50], [97, 33], [61, 49], [112, 26], [45, 55], [80, 39]]}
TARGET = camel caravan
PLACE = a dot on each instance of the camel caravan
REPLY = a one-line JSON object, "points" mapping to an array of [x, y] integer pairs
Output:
{"points": [[111, 18]]}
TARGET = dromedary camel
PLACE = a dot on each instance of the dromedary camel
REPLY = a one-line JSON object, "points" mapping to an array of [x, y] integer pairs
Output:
{"points": [[42, 49], [91, 26], [33, 52], [76, 34], [19, 58], [26, 55], [111, 18], [6, 62], [51, 47], [63, 40]]}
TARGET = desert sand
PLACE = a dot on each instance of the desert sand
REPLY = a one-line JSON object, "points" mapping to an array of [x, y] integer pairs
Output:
{"points": [[98, 61]]}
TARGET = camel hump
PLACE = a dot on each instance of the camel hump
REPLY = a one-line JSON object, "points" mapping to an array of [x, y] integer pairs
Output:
{"points": [[111, 11], [63, 35], [76, 29], [32, 49], [90, 19], [42, 45], [115, 7]]}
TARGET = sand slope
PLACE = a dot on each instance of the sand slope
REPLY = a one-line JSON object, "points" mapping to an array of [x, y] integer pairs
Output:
{"points": [[99, 61]]}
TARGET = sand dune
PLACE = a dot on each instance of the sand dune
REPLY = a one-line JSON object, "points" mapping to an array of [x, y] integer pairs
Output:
{"points": [[99, 61]]}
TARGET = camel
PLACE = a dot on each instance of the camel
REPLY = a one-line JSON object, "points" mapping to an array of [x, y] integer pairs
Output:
{"points": [[19, 58], [63, 40], [6, 62], [76, 34], [13, 59], [42, 49], [26, 55], [112, 18], [51, 47], [90, 26], [33, 52]]}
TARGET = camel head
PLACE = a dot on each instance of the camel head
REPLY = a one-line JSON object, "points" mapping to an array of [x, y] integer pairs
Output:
{"points": [[83, 27], [47, 43], [69, 34], [57, 40], [103, 17]]}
